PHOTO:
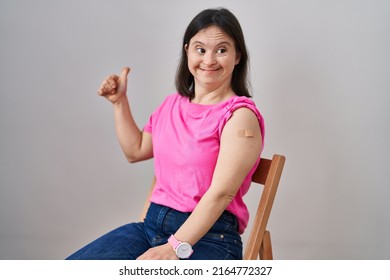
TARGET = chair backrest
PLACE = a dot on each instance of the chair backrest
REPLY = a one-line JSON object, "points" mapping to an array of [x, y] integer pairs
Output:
{"points": [[268, 173]]}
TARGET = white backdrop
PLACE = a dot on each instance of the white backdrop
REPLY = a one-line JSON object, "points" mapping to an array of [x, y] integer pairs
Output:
{"points": [[320, 76]]}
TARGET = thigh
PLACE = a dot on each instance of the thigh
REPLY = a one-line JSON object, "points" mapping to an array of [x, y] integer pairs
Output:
{"points": [[217, 246], [222, 242], [124, 243]]}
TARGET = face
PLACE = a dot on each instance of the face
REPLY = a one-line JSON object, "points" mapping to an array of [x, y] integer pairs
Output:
{"points": [[212, 57]]}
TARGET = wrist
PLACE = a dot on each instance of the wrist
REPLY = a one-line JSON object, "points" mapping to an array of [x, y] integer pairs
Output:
{"points": [[183, 250], [122, 100]]}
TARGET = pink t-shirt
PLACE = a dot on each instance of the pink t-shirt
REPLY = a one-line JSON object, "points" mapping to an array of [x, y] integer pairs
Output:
{"points": [[186, 141]]}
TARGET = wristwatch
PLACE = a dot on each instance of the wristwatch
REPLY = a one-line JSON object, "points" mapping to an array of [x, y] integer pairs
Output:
{"points": [[183, 249]]}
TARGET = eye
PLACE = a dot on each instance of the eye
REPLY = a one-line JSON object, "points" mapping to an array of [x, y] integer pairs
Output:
{"points": [[201, 50], [221, 51]]}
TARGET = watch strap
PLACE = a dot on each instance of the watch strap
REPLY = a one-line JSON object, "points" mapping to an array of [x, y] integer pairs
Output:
{"points": [[183, 250], [173, 241]]}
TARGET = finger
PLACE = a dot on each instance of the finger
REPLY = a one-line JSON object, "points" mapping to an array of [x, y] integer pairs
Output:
{"points": [[125, 72], [112, 81], [123, 75], [102, 90], [106, 88]]}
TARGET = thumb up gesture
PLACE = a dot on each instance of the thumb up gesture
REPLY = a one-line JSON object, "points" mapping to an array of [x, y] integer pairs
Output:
{"points": [[114, 87]]}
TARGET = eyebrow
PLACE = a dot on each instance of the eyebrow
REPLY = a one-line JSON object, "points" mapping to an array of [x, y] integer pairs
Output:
{"points": [[201, 43]]}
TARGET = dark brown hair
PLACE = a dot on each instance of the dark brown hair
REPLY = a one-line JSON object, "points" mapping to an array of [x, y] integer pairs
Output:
{"points": [[228, 23]]}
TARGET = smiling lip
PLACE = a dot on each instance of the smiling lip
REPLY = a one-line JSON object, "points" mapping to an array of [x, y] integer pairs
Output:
{"points": [[209, 70]]}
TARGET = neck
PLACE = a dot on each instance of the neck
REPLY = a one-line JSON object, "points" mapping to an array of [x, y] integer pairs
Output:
{"points": [[209, 96]]}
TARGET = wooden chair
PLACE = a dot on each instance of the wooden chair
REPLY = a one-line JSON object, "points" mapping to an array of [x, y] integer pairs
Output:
{"points": [[268, 173]]}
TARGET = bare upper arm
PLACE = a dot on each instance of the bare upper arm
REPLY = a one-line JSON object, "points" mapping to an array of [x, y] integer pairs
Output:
{"points": [[147, 144], [145, 150], [241, 144]]}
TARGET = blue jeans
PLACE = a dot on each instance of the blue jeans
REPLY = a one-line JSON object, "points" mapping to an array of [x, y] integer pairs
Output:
{"points": [[127, 242]]}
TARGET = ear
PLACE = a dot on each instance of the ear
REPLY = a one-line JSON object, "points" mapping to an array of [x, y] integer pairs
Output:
{"points": [[186, 47], [238, 58]]}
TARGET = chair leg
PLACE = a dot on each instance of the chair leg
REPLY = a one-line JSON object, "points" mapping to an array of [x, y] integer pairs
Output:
{"points": [[266, 247]]}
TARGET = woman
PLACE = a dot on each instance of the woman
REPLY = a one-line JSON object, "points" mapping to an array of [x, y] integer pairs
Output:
{"points": [[206, 142]]}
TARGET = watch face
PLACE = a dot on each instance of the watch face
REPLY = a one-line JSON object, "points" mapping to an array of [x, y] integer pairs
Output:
{"points": [[184, 250]]}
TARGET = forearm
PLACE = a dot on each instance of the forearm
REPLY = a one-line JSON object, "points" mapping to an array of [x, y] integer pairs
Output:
{"points": [[127, 131], [204, 216]]}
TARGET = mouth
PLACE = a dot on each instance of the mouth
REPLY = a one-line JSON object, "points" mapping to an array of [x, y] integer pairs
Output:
{"points": [[209, 70]]}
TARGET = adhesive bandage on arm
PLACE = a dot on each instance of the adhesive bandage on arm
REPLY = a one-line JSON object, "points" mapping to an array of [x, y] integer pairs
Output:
{"points": [[246, 133]]}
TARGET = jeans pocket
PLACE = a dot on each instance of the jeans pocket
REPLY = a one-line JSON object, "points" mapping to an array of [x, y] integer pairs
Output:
{"points": [[224, 246], [173, 220]]}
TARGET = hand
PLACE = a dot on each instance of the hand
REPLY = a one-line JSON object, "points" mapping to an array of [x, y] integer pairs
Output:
{"points": [[114, 87], [162, 252]]}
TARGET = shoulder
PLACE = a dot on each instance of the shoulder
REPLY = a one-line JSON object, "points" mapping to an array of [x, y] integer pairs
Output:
{"points": [[244, 118], [170, 100], [237, 102], [242, 112], [244, 107], [174, 98]]}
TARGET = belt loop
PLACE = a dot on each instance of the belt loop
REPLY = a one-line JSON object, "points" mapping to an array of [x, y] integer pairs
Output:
{"points": [[231, 218], [160, 217]]}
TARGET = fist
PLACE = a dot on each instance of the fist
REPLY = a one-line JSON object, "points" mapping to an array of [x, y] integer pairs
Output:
{"points": [[114, 87]]}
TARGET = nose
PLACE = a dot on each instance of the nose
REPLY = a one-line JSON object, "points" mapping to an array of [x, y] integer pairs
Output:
{"points": [[209, 59]]}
